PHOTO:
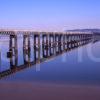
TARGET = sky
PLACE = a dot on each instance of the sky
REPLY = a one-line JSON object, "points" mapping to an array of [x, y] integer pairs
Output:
{"points": [[49, 15]]}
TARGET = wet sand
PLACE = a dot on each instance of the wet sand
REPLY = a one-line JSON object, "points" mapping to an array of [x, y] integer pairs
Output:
{"points": [[42, 91]]}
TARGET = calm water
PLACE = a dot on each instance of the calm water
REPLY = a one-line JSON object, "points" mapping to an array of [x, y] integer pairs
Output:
{"points": [[66, 68]]}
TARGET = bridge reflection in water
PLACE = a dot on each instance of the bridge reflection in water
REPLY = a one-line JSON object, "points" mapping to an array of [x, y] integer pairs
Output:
{"points": [[45, 46]]}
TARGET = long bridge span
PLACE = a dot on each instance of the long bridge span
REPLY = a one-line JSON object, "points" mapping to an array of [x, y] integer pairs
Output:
{"points": [[46, 45]]}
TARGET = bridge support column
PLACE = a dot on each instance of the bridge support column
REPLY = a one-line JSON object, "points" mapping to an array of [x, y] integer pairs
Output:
{"points": [[37, 47], [72, 41], [26, 48], [13, 51], [57, 43], [51, 44], [68, 42], [86, 38], [75, 40], [64, 42], [60, 43], [79, 39], [45, 47]]}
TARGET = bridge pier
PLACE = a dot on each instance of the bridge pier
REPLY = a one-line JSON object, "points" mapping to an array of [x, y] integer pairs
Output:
{"points": [[60, 43], [51, 44], [26, 42], [36, 47], [68, 42], [70, 36], [45, 47], [13, 51], [64, 42], [26, 48], [57, 43], [72, 41], [76, 41], [84, 39], [79, 39]]}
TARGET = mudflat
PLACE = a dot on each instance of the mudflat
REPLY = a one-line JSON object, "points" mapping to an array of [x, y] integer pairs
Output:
{"points": [[42, 91]]}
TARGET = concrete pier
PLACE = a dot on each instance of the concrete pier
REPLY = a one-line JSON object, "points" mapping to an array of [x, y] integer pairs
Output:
{"points": [[26, 48], [13, 51], [36, 47]]}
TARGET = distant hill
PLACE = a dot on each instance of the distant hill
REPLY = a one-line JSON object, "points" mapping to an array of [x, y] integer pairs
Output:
{"points": [[84, 30]]}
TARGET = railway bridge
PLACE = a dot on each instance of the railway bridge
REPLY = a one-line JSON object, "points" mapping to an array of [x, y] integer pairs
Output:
{"points": [[46, 45]]}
